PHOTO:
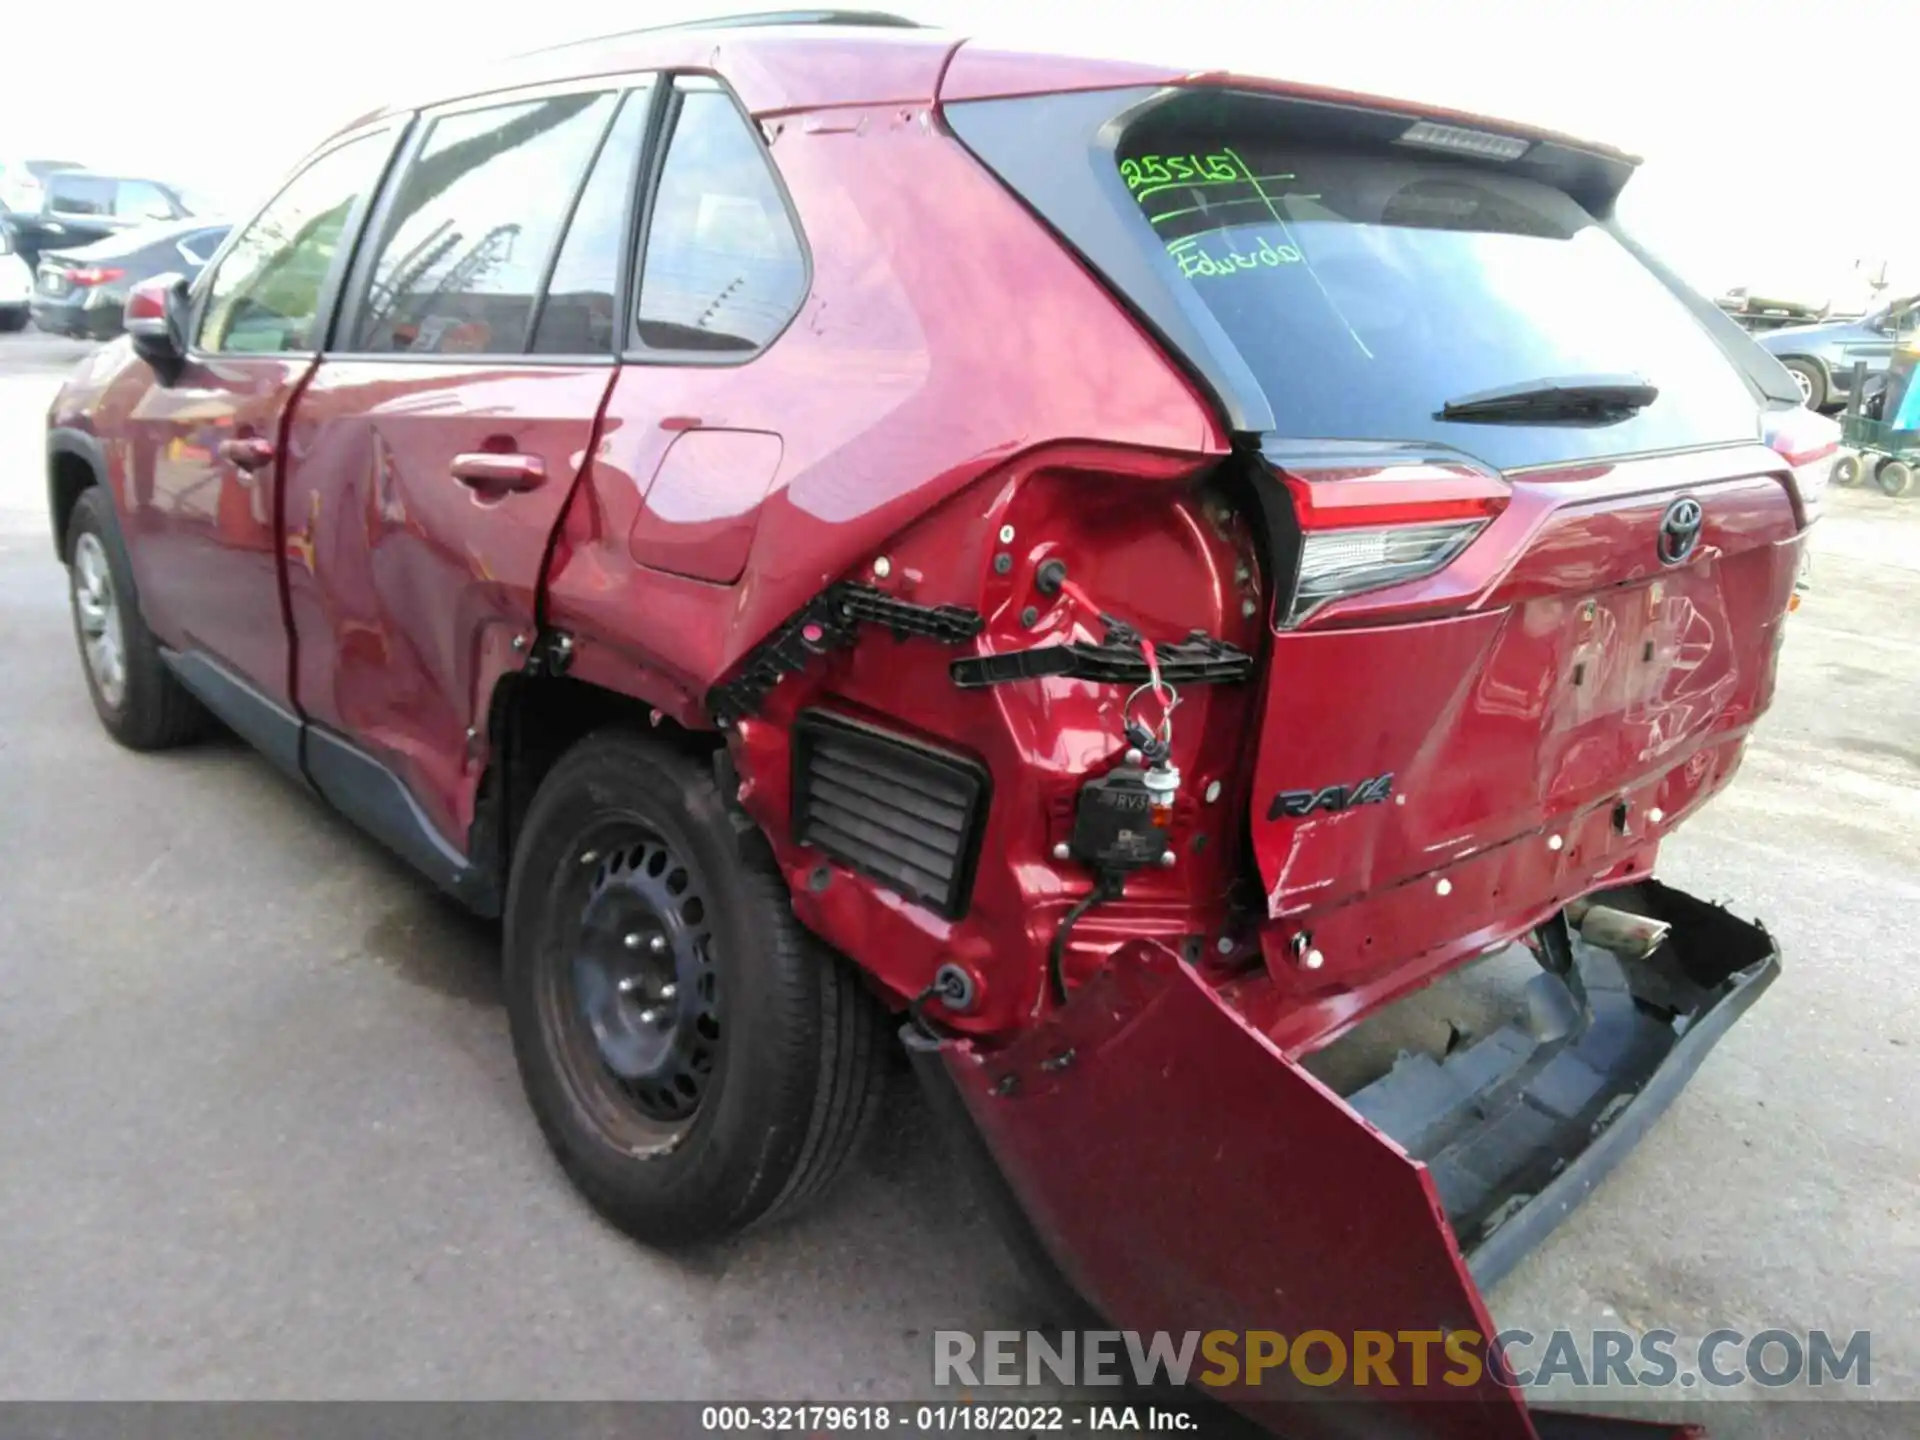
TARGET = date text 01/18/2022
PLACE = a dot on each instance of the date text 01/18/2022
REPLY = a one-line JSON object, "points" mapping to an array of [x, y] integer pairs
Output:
{"points": [[947, 1418]]}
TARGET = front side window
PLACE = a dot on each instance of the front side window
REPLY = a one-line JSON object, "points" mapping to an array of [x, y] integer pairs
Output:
{"points": [[723, 269], [473, 224], [265, 297]]}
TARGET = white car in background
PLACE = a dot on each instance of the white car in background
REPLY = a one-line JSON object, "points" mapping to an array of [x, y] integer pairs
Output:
{"points": [[16, 285]]}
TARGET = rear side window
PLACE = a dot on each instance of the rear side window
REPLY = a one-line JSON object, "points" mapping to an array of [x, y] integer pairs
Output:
{"points": [[142, 200], [473, 224], [265, 296], [578, 315], [80, 195], [722, 269], [1365, 290]]}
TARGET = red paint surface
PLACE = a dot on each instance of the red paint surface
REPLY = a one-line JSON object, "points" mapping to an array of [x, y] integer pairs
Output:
{"points": [[407, 586], [703, 506], [891, 391], [1187, 1176], [199, 529]]}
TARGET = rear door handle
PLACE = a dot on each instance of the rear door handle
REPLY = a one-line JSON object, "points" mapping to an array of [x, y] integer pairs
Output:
{"points": [[249, 452], [493, 473]]}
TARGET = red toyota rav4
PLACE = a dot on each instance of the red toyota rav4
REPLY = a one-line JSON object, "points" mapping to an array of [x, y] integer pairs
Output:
{"points": [[1131, 575]]}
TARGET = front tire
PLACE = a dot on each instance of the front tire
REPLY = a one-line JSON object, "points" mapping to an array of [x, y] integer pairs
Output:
{"points": [[697, 1061], [1895, 477], [1811, 380], [134, 694], [13, 318]]}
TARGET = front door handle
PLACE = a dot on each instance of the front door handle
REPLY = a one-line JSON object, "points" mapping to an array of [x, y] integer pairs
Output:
{"points": [[249, 452], [495, 473]]}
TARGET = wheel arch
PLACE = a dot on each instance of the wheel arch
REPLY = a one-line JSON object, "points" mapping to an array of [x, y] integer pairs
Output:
{"points": [[1814, 363], [535, 717], [75, 463]]}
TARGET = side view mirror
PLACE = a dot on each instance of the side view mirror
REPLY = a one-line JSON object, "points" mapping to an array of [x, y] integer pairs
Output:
{"points": [[156, 320]]}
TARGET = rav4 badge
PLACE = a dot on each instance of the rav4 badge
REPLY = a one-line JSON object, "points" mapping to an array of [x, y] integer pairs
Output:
{"points": [[1296, 804]]}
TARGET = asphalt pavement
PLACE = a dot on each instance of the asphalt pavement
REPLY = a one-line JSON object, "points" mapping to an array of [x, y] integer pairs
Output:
{"points": [[261, 1134]]}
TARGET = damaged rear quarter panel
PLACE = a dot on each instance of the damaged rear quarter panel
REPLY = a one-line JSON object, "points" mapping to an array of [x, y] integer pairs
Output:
{"points": [[944, 333]]}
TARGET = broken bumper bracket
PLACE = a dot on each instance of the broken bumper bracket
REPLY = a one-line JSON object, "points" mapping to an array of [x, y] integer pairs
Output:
{"points": [[1198, 660], [1185, 1174]]}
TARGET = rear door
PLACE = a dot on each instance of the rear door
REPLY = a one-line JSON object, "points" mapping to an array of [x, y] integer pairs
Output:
{"points": [[79, 208], [205, 466], [437, 443]]}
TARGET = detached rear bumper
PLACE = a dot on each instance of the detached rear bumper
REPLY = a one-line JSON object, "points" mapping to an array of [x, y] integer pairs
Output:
{"points": [[1186, 1175]]}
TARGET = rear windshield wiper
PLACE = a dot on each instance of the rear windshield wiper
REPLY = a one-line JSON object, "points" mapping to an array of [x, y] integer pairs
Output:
{"points": [[1600, 399]]}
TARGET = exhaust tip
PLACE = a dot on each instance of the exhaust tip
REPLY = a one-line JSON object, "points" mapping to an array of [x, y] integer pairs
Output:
{"points": [[1630, 936]]}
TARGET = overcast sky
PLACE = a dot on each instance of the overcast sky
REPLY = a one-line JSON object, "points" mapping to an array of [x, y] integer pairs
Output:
{"points": [[1745, 109]]}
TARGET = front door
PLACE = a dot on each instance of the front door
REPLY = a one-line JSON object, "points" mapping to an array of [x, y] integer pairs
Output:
{"points": [[435, 447], [205, 460]]}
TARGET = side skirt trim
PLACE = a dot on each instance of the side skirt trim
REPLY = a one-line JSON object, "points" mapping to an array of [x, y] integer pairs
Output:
{"points": [[356, 784]]}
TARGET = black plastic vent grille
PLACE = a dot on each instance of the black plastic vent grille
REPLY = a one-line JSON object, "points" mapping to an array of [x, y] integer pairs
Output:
{"points": [[904, 813]]}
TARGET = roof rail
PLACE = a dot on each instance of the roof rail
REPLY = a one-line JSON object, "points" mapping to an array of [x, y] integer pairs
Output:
{"points": [[874, 18]]}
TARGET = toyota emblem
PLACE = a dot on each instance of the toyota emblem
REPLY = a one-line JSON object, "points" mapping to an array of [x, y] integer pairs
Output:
{"points": [[1679, 530]]}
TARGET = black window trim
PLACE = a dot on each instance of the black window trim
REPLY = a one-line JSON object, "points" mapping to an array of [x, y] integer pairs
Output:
{"points": [[624, 296], [661, 140], [367, 249], [326, 313]]}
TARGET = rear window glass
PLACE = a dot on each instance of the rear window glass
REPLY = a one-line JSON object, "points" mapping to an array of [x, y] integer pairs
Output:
{"points": [[1365, 288]]}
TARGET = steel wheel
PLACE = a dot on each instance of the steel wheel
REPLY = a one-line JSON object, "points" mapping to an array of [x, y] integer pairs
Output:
{"points": [[102, 636], [697, 1061], [637, 1005]]}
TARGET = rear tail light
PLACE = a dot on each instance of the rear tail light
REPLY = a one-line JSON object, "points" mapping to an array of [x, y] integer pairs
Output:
{"points": [[89, 275], [1338, 563], [1811, 445], [1364, 530]]}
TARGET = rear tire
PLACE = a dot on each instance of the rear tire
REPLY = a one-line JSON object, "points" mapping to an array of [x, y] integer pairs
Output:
{"points": [[134, 694], [13, 318], [1846, 470], [697, 1061], [1812, 381], [1894, 476]]}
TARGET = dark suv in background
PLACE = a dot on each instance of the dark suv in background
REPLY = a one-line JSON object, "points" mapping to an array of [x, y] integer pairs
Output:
{"points": [[83, 291], [77, 207]]}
